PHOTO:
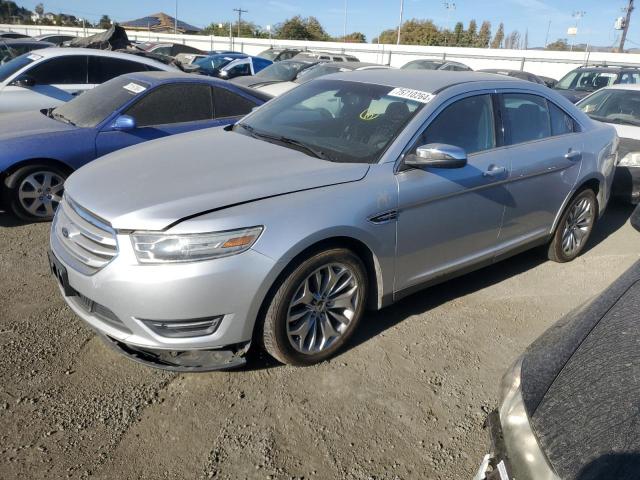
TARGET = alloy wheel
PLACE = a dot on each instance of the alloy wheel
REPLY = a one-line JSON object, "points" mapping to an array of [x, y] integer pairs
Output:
{"points": [[40, 193], [322, 308], [577, 227]]}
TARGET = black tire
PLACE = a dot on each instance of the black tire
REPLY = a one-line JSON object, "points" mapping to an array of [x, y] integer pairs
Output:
{"points": [[13, 183], [275, 337], [555, 251]]}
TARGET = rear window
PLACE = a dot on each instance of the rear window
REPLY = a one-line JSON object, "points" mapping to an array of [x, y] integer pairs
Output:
{"points": [[12, 66], [230, 104]]}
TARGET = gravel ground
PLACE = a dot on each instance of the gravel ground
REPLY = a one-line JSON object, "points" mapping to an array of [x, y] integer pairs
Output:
{"points": [[406, 400]]}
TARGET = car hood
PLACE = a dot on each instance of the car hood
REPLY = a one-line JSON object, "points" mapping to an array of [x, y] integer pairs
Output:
{"points": [[156, 184], [574, 96], [25, 124], [580, 382]]}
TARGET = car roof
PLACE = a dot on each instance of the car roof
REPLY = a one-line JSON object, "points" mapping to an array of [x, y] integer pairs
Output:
{"points": [[168, 77], [23, 41], [425, 80], [353, 65], [64, 51]]}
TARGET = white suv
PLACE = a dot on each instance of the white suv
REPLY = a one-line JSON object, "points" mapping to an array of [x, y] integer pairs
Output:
{"points": [[47, 78]]}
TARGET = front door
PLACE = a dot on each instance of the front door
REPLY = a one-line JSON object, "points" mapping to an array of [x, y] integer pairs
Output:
{"points": [[449, 218]]}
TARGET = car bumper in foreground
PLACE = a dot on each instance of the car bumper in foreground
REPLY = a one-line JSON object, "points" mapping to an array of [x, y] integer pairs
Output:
{"points": [[626, 184], [515, 453], [190, 317]]}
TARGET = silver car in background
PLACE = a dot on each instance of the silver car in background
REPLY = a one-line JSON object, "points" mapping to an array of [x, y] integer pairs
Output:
{"points": [[349, 192]]}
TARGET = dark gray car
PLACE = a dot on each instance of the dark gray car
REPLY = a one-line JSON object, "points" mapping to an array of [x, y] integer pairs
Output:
{"points": [[569, 405]]}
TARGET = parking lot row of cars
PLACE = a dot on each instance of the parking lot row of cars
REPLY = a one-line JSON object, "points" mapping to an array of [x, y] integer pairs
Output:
{"points": [[275, 222]]}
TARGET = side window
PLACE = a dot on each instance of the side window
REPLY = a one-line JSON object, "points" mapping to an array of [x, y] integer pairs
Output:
{"points": [[177, 103], [67, 70], [526, 118], [162, 51], [630, 77], [468, 123], [561, 123], [229, 104], [337, 59], [240, 69], [102, 69]]}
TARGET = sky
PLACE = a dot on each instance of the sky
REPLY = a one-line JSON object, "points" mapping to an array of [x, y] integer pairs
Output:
{"points": [[372, 16]]}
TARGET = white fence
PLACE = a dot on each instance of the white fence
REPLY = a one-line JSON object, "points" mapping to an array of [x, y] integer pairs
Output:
{"points": [[550, 64]]}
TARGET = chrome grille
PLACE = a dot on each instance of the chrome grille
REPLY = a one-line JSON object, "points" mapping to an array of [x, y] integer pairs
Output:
{"points": [[86, 238]]}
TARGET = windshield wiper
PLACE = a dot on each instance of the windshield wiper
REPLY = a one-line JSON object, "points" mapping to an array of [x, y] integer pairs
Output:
{"points": [[62, 118], [287, 141]]}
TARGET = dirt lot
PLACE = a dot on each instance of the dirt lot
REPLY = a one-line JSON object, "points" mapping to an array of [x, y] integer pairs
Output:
{"points": [[407, 400]]}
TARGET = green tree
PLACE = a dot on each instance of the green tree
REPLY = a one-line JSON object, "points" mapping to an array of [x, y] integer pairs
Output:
{"points": [[559, 45], [105, 22], [355, 37], [316, 30], [247, 30], [471, 35], [458, 34], [484, 36], [39, 9], [512, 41], [497, 40], [298, 28]]}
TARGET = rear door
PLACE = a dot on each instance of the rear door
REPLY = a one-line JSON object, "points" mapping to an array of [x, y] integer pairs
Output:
{"points": [[546, 155], [165, 110]]}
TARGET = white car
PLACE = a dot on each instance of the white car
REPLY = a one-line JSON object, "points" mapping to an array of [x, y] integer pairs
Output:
{"points": [[52, 76], [319, 70], [619, 105]]}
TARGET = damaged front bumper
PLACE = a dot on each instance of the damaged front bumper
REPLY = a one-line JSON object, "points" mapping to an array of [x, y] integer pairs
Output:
{"points": [[230, 357]]}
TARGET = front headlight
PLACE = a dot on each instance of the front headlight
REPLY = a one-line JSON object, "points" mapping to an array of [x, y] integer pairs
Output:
{"points": [[631, 159], [167, 248]]}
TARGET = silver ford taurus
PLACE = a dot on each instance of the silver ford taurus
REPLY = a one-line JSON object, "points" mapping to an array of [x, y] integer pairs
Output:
{"points": [[347, 193]]}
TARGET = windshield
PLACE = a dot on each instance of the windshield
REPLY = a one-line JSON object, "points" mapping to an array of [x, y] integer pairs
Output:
{"points": [[613, 106], [586, 80], [422, 65], [215, 62], [282, 71], [12, 66], [94, 106], [319, 71], [336, 120], [269, 54]]}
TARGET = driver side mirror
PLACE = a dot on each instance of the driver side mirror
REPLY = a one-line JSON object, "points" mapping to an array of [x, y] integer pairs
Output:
{"points": [[124, 123], [24, 81], [437, 155], [635, 218]]}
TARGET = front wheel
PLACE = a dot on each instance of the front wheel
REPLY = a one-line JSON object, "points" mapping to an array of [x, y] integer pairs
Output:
{"points": [[316, 308], [574, 228], [33, 192]]}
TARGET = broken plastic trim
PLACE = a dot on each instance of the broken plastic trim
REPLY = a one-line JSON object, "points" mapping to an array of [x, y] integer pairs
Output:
{"points": [[232, 356]]}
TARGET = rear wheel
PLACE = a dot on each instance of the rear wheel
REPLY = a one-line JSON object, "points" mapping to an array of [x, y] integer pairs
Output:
{"points": [[316, 308], [33, 192], [574, 228]]}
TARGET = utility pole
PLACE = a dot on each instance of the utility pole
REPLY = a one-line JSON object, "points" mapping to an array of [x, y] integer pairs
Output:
{"points": [[578, 14], [400, 24], [240, 12], [629, 9], [546, 38], [175, 24]]}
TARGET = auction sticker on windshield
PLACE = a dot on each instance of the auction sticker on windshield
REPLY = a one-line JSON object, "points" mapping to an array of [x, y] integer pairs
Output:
{"points": [[134, 87], [34, 57], [410, 94]]}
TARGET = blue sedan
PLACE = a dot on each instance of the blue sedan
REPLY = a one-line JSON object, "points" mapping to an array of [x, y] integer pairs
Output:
{"points": [[42, 148]]}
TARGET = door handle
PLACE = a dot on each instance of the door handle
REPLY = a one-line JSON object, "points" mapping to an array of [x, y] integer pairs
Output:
{"points": [[574, 156], [494, 171]]}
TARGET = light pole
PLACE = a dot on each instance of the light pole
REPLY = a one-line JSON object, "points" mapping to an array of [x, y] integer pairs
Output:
{"points": [[175, 24], [344, 35], [400, 24], [269, 30], [449, 6], [578, 14]]}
